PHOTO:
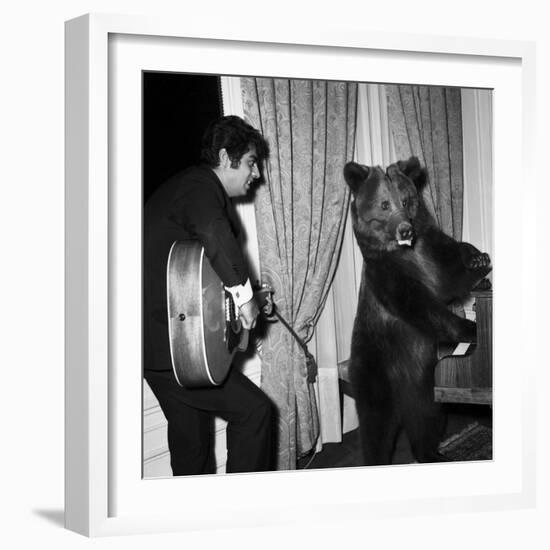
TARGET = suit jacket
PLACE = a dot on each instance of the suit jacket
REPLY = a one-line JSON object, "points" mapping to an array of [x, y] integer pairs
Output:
{"points": [[190, 205]]}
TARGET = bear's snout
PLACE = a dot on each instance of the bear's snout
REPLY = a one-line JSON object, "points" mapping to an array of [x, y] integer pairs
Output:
{"points": [[400, 228], [404, 234]]}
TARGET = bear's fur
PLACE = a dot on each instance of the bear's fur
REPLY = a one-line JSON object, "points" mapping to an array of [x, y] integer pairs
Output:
{"points": [[412, 271]]}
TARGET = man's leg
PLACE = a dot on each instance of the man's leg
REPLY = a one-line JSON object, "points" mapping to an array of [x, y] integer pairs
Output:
{"points": [[248, 411], [250, 416], [188, 427]]}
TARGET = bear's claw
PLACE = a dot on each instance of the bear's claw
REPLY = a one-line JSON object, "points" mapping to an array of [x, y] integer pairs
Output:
{"points": [[478, 261]]}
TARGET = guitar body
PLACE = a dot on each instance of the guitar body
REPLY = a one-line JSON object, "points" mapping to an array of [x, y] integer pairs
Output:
{"points": [[197, 319]]}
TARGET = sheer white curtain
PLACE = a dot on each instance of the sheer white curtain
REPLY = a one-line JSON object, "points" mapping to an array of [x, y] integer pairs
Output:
{"points": [[477, 117]]}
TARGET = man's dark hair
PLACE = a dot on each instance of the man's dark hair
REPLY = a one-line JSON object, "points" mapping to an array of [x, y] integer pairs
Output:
{"points": [[236, 136]]}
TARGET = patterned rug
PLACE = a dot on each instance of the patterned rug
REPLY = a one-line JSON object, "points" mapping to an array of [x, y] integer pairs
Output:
{"points": [[475, 442]]}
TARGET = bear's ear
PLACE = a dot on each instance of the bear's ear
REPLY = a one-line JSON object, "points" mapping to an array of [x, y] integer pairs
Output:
{"points": [[412, 169], [355, 174]]}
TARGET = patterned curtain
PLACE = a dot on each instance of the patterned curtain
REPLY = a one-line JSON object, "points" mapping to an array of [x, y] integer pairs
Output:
{"points": [[426, 121], [300, 215]]}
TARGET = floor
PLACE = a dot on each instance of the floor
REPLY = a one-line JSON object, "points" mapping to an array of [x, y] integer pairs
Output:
{"points": [[347, 454]]}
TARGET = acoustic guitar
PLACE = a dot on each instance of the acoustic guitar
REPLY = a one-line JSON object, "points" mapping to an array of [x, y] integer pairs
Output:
{"points": [[204, 327]]}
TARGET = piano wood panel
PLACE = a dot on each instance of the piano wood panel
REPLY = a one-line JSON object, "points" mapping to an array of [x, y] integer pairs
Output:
{"points": [[468, 378]]}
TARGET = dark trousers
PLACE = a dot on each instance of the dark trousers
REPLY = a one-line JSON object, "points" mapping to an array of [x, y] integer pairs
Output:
{"points": [[248, 411]]}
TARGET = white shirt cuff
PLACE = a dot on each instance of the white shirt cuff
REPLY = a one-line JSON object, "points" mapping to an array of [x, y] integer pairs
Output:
{"points": [[241, 293]]}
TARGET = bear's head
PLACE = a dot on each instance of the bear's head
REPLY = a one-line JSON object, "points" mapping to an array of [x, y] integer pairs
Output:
{"points": [[387, 209]]}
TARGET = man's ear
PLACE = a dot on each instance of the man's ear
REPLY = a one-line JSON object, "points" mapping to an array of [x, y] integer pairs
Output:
{"points": [[225, 161]]}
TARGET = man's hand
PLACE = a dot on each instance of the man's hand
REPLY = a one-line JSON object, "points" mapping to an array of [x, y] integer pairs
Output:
{"points": [[248, 313]]}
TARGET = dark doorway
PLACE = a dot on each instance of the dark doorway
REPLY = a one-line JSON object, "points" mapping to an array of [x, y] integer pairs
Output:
{"points": [[176, 110]]}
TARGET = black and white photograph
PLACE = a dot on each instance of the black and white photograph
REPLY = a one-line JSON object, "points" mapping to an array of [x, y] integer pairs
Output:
{"points": [[317, 274]]}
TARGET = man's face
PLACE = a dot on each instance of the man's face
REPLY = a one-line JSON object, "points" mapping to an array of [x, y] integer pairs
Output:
{"points": [[238, 180]]}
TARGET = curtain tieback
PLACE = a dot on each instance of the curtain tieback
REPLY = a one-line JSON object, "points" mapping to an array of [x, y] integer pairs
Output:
{"points": [[311, 364]]}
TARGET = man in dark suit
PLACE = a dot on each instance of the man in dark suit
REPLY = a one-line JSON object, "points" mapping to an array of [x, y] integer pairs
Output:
{"points": [[195, 204]]}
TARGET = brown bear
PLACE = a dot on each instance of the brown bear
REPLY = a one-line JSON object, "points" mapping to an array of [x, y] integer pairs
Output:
{"points": [[412, 271]]}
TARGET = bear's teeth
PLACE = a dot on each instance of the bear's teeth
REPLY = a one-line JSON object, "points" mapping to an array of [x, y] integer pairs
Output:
{"points": [[406, 242]]}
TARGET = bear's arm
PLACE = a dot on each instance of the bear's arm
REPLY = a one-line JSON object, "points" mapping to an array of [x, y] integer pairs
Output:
{"points": [[461, 266], [411, 301], [446, 249]]}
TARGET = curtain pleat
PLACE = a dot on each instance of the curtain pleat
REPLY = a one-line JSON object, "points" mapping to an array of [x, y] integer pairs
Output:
{"points": [[426, 121], [301, 213]]}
